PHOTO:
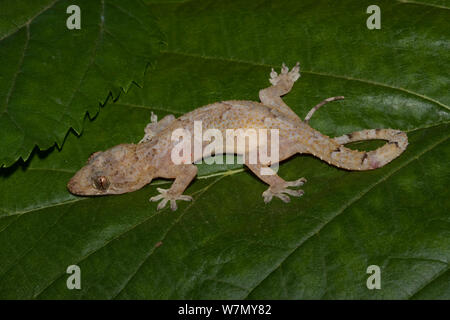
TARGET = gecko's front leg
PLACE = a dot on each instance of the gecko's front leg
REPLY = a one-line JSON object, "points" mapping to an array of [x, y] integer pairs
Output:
{"points": [[183, 175]]}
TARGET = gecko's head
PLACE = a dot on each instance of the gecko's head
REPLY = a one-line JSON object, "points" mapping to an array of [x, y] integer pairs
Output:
{"points": [[113, 171]]}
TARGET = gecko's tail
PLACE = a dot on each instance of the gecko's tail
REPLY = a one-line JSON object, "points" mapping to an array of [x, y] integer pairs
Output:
{"points": [[346, 158]]}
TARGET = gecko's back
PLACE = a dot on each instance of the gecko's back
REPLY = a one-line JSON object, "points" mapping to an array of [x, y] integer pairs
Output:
{"points": [[236, 114]]}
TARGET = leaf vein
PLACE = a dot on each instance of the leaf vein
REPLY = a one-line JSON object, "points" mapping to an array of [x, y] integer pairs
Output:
{"points": [[29, 21], [13, 82]]}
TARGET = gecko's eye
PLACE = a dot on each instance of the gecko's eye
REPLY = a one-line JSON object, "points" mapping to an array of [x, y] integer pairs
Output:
{"points": [[101, 183]]}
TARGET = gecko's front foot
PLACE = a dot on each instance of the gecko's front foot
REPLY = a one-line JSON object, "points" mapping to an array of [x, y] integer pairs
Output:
{"points": [[166, 196], [289, 76], [282, 192]]}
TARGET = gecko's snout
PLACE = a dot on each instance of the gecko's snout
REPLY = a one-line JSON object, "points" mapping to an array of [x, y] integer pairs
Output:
{"points": [[78, 185], [73, 187]]}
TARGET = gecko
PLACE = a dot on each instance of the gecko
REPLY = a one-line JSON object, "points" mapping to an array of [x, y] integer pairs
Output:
{"points": [[129, 167]]}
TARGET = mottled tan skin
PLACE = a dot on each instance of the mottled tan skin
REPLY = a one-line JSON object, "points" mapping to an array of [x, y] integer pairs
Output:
{"points": [[129, 167]]}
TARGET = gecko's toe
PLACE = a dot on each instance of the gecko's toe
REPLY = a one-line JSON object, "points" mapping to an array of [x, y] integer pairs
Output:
{"points": [[156, 198], [184, 197], [153, 118], [294, 74], [267, 195], [273, 74], [162, 204], [296, 183], [294, 193], [173, 205], [283, 197]]}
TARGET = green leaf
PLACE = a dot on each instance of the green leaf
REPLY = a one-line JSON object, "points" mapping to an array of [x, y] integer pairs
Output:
{"points": [[51, 76], [227, 243]]}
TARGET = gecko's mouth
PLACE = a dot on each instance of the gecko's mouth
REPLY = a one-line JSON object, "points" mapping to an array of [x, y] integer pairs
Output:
{"points": [[75, 189]]}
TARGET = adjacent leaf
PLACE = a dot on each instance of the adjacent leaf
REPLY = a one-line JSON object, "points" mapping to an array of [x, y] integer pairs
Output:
{"points": [[52, 75], [227, 243]]}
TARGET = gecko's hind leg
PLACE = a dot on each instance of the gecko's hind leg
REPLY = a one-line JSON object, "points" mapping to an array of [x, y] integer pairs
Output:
{"points": [[278, 187], [156, 126], [281, 84]]}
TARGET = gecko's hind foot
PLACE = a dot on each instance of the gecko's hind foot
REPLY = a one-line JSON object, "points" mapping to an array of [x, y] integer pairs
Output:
{"points": [[166, 197], [283, 192], [286, 75]]}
